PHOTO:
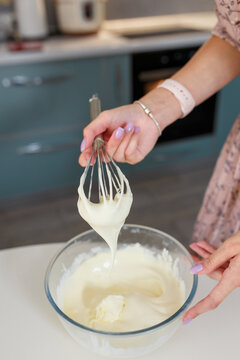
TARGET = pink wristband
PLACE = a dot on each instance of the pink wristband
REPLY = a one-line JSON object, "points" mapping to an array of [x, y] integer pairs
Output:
{"points": [[187, 102]]}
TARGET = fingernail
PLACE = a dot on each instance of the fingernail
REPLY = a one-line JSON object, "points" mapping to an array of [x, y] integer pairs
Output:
{"points": [[137, 129], [119, 133], [129, 127], [187, 321], [196, 268], [83, 144]]}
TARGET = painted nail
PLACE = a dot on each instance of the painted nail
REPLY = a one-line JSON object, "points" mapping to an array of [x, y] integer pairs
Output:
{"points": [[129, 127], [187, 321], [119, 133], [196, 268], [137, 129], [83, 144]]}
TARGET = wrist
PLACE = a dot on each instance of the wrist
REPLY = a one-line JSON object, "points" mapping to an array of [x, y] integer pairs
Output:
{"points": [[164, 106]]}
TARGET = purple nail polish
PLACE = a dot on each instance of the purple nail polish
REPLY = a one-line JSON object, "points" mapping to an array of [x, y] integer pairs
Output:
{"points": [[187, 321], [196, 268], [83, 144], [119, 133], [129, 127], [137, 129]]}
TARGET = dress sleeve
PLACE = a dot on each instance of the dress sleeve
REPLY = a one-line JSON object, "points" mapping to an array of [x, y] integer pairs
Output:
{"points": [[228, 25]]}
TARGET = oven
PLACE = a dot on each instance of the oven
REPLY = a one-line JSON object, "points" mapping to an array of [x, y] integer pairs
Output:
{"points": [[150, 69]]}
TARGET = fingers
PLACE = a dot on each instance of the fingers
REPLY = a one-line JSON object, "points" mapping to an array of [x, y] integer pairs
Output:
{"points": [[107, 122], [118, 142], [122, 152], [200, 251], [215, 275], [205, 245], [114, 141], [222, 255], [230, 280], [84, 157], [95, 128], [125, 149], [111, 146], [196, 259], [199, 248]]}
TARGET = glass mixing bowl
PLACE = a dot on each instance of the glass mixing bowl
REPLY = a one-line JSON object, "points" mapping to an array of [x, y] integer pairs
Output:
{"points": [[124, 344]]}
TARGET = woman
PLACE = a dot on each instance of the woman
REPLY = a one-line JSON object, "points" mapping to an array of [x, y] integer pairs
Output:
{"points": [[131, 132]]}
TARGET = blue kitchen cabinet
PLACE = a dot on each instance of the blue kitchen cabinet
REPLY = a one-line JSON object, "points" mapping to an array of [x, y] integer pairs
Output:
{"points": [[117, 89], [46, 96], [37, 163], [43, 110]]}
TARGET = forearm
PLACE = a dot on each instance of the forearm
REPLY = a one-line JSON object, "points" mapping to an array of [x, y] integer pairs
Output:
{"points": [[214, 65]]}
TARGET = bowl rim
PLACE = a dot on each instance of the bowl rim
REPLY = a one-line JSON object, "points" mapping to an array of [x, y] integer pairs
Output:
{"points": [[126, 333]]}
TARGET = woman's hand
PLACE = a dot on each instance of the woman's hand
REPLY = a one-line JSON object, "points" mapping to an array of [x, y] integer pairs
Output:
{"points": [[223, 265], [128, 132]]}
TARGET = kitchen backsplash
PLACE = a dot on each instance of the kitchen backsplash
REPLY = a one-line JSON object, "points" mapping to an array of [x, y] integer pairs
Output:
{"points": [[118, 9]]}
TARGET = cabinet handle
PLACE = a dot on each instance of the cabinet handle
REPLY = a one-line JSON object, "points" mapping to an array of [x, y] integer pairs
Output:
{"points": [[38, 148], [118, 84], [23, 81]]}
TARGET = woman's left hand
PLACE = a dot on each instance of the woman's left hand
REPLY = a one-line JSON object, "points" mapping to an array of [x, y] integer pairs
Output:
{"points": [[223, 265]]}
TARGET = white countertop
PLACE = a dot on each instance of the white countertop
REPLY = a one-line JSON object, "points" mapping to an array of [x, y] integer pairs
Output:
{"points": [[110, 42], [30, 329]]}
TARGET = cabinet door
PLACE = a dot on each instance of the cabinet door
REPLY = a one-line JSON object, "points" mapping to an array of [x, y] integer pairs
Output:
{"points": [[47, 95], [43, 109], [40, 162], [116, 81]]}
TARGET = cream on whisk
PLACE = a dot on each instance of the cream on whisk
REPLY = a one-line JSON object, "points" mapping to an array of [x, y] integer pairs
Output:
{"points": [[108, 216]]}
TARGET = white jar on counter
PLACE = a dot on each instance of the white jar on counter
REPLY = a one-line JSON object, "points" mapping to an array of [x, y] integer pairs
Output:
{"points": [[31, 18], [80, 16]]}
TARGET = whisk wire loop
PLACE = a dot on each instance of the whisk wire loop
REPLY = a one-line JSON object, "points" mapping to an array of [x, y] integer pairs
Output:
{"points": [[109, 181]]}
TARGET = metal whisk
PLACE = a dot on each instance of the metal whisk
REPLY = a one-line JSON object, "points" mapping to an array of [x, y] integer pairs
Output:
{"points": [[110, 178]]}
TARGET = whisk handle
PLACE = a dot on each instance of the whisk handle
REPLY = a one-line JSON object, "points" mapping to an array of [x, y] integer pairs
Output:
{"points": [[95, 109], [95, 106]]}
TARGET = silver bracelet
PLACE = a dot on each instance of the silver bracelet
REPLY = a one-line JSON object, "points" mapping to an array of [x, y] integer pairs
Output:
{"points": [[150, 114]]}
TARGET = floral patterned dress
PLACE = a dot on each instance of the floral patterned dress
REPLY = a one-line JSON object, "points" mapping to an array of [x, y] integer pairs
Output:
{"points": [[219, 216]]}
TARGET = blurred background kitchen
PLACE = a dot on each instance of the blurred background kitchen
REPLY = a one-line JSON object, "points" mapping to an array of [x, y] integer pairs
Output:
{"points": [[53, 56]]}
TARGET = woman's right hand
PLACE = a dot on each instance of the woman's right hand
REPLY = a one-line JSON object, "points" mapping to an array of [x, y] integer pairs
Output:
{"points": [[130, 134]]}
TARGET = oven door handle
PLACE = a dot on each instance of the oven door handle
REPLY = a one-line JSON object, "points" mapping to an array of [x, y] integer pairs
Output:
{"points": [[159, 74]]}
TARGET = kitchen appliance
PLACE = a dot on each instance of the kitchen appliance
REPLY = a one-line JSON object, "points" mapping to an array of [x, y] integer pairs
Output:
{"points": [[125, 344], [80, 16], [31, 19], [150, 69], [6, 25]]}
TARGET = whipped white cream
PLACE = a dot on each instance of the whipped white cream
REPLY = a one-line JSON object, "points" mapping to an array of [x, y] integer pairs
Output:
{"points": [[142, 290], [108, 216]]}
